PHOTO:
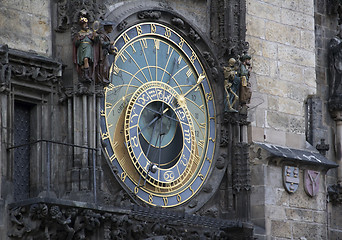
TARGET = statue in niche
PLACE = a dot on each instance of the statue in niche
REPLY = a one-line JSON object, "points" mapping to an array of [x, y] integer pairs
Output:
{"points": [[236, 84], [335, 64], [231, 84], [106, 49], [85, 51], [244, 73]]}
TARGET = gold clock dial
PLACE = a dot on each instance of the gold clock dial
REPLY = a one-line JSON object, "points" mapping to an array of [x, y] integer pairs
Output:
{"points": [[158, 116]]}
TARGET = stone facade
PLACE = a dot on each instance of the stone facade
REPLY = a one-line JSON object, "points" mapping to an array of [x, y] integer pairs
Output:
{"points": [[281, 35], [26, 25], [288, 41]]}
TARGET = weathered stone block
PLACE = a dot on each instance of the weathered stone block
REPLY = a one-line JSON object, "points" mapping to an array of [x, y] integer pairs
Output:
{"points": [[256, 26], [264, 10], [32, 7], [294, 140], [261, 65], [306, 7], [259, 99], [257, 134], [258, 195], [281, 229], [277, 3], [258, 211], [307, 40], [296, 56], [310, 77], [25, 31], [291, 72], [284, 34], [274, 178], [277, 120], [290, 4], [260, 117], [320, 217], [299, 214], [277, 196], [271, 86], [302, 200], [270, 50], [275, 136], [297, 19], [309, 231], [258, 174], [291, 106], [273, 102], [297, 124], [298, 92], [255, 44], [275, 212]]}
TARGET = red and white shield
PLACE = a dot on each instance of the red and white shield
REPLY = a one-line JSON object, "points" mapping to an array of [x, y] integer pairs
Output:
{"points": [[311, 182]]}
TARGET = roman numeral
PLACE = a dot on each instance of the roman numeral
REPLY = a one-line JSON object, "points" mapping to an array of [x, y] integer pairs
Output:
{"points": [[139, 30], [143, 43], [156, 44], [125, 37], [188, 73]]}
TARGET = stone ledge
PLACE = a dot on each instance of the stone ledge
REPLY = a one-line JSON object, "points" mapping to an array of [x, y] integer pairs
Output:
{"points": [[298, 156]]}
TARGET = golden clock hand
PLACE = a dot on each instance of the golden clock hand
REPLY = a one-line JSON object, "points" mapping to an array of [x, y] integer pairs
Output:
{"points": [[199, 80], [181, 98], [154, 119], [165, 110]]}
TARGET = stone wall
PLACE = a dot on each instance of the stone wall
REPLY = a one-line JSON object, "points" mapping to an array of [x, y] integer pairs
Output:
{"points": [[26, 25], [282, 45], [278, 214]]}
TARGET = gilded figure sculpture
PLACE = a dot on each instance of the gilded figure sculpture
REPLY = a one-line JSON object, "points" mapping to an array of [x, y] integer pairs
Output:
{"points": [[106, 49], [231, 84], [85, 53]]}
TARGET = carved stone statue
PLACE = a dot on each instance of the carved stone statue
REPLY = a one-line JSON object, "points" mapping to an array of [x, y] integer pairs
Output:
{"points": [[244, 72], [107, 48], [84, 51], [335, 66], [236, 84], [231, 84]]}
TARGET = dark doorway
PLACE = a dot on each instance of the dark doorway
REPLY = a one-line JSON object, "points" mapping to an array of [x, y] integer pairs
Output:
{"points": [[22, 134]]}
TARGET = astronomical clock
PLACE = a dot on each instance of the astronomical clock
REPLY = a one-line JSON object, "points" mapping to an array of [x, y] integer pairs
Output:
{"points": [[159, 114]]}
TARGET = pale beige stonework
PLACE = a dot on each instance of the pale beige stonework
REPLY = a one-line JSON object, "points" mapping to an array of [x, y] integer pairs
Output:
{"points": [[282, 46], [26, 25], [282, 43]]}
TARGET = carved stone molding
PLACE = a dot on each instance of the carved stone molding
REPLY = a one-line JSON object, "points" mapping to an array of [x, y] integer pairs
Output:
{"points": [[69, 11], [149, 15], [241, 170], [235, 118], [228, 28], [57, 219], [27, 67]]}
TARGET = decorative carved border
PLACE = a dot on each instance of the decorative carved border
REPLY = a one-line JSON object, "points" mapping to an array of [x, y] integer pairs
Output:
{"points": [[16, 65], [39, 218]]}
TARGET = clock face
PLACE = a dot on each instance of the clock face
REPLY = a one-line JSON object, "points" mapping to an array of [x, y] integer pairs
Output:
{"points": [[158, 116]]}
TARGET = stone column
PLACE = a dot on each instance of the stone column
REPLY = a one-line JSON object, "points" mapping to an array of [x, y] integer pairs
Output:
{"points": [[337, 116]]}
